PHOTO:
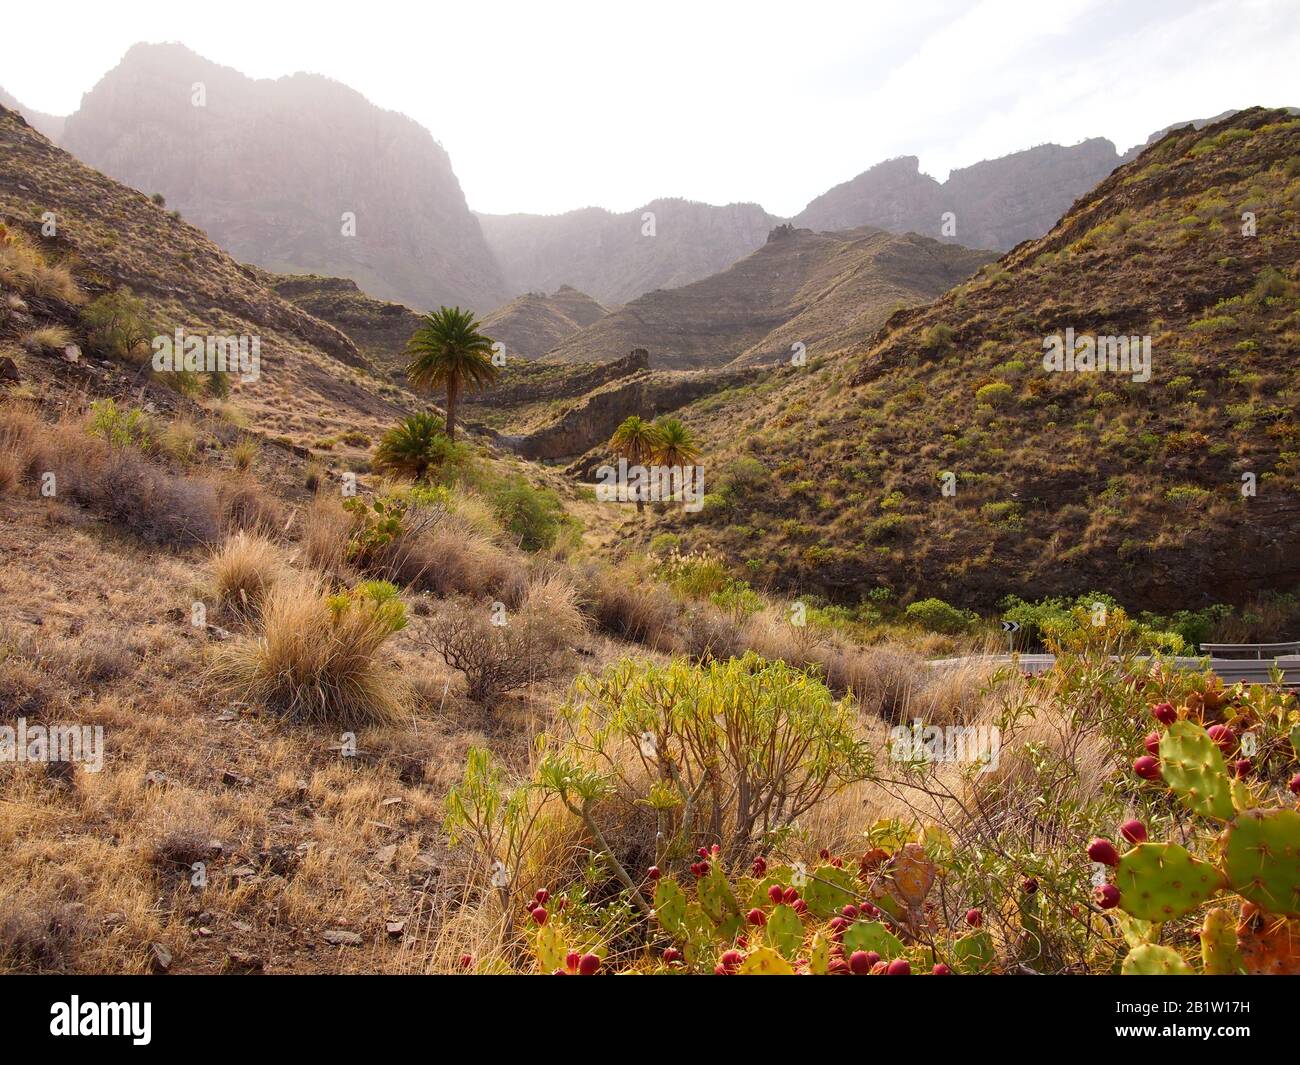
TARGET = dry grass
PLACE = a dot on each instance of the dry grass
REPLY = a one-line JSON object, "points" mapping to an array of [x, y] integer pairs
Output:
{"points": [[314, 664], [49, 338], [244, 570], [25, 268]]}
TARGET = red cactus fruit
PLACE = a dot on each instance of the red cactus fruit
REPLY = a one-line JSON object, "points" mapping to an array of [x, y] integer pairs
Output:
{"points": [[1152, 743], [467, 961], [940, 970], [588, 965], [731, 960], [539, 915], [1164, 713], [850, 912], [756, 916], [872, 957], [899, 967], [672, 954], [1147, 768], [859, 964], [1294, 784], [823, 854], [789, 896], [974, 918], [1134, 831], [542, 896], [702, 852], [653, 872], [776, 894], [1029, 885], [760, 865], [1107, 896], [1103, 850], [799, 906], [1241, 767], [1223, 737], [571, 959]]}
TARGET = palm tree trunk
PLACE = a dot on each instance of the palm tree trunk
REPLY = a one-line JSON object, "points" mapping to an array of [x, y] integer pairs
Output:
{"points": [[453, 393]]}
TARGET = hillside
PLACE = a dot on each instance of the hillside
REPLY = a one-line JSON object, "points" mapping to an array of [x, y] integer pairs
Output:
{"points": [[997, 202], [313, 381], [613, 256], [1065, 482], [531, 324], [299, 152], [811, 288], [50, 125]]}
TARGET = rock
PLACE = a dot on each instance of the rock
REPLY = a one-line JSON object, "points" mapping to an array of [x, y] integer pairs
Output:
{"points": [[155, 777], [241, 961], [72, 353], [340, 938], [395, 928], [160, 958], [233, 780], [9, 370], [386, 855]]}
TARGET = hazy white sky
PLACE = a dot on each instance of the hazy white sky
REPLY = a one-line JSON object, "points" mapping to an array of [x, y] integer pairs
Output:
{"points": [[548, 106]]}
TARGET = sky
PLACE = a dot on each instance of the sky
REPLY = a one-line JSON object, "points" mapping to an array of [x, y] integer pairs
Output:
{"points": [[547, 107]]}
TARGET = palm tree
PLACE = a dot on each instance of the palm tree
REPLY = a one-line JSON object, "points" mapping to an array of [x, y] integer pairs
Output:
{"points": [[412, 446], [677, 447], [636, 440], [449, 351]]}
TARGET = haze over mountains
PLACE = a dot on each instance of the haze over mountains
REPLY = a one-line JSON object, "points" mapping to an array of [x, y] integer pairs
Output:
{"points": [[270, 167], [801, 287]]}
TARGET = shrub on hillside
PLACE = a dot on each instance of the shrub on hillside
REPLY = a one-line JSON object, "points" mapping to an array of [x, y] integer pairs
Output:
{"points": [[938, 616], [118, 325], [317, 658], [417, 448]]}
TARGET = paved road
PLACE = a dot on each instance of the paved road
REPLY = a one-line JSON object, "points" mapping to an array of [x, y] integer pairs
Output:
{"points": [[1231, 670]]}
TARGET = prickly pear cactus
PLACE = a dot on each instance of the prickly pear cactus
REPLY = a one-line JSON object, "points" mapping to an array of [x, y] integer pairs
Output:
{"points": [[550, 947], [1269, 945], [764, 961], [974, 952], [819, 957], [1162, 881], [1151, 960], [1219, 953], [913, 874], [829, 890], [670, 907], [784, 931], [1261, 850], [871, 935], [1193, 767]]}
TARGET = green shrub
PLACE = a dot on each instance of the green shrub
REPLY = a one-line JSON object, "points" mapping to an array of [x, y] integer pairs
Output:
{"points": [[418, 448], [531, 515], [938, 616], [118, 325]]}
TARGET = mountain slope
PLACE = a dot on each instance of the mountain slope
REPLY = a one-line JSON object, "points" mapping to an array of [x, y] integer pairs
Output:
{"points": [[531, 324], [805, 287], [312, 380], [50, 125], [997, 202], [613, 256], [270, 168], [1065, 482]]}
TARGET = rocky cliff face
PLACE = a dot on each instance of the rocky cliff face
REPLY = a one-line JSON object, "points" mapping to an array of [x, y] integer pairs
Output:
{"points": [[997, 202], [270, 168], [617, 257]]}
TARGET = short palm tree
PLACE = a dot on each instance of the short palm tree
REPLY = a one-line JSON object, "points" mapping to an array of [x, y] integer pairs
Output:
{"points": [[677, 447], [412, 446], [449, 351], [636, 440]]}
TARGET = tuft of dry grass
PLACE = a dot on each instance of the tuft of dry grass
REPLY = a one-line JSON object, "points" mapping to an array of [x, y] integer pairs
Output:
{"points": [[244, 570], [313, 663], [48, 338]]}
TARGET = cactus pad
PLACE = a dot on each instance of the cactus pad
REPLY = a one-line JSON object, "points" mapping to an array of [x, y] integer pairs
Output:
{"points": [[974, 952], [670, 906], [1151, 960], [871, 935], [764, 961], [1219, 951], [784, 931], [913, 874], [1161, 881], [1270, 946], [1262, 859], [829, 890], [1193, 768]]}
